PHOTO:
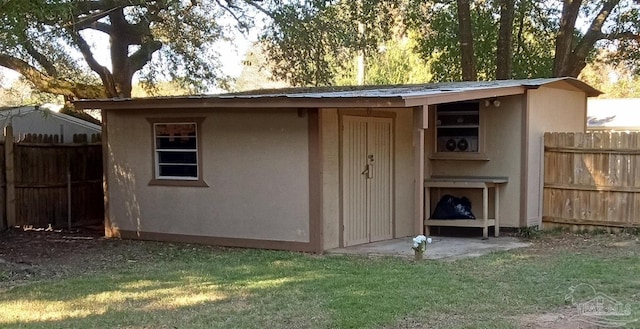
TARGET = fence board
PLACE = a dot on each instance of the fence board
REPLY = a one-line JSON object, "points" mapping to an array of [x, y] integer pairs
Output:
{"points": [[592, 179], [40, 180], [3, 191]]}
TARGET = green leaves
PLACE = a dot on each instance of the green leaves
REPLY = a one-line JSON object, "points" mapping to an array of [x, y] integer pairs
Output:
{"points": [[314, 42], [106, 42]]}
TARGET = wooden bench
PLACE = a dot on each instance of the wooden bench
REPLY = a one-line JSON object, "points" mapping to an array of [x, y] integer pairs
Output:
{"points": [[484, 183]]}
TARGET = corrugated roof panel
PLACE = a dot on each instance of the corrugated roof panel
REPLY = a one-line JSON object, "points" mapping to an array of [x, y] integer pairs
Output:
{"points": [[395, 93]]}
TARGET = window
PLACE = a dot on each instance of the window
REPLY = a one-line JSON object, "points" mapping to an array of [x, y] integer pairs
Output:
{"points": [[176, 151], [458, 128]]}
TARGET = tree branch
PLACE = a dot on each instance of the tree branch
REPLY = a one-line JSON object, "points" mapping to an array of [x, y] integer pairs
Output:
{"points": [[98, 26], [39, 57], [103, 72], [89, 20], [595, 30], [586, 44], [49, 84], [89, 7], [229, 11], [143, 55], [622, 36], [137, 33], [260, 8]]}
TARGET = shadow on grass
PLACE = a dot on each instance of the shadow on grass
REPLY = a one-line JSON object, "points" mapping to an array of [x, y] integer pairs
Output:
{"points": [[197, 288]]}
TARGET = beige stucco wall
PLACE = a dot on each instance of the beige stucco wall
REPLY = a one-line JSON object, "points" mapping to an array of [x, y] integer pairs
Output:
{"points": [[504, 143], [330, 144], [256, 164], [554, 108], [403, 173]]}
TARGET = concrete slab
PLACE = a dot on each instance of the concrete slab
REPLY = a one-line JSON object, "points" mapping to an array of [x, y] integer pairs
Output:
{"points": [[446, 248]]}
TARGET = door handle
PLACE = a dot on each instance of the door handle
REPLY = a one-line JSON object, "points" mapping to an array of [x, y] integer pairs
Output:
{"points": [[368, 171]]}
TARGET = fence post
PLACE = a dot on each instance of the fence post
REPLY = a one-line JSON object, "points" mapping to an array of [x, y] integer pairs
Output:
{"points": [[68, 192], [10, 176]]}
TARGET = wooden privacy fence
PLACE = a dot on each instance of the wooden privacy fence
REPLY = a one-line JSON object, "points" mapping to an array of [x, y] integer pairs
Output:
{"points": [[49, 183], [592, 179]]}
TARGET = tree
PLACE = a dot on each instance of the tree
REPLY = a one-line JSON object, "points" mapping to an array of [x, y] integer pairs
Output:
{"points": [[504, 51], [533, 37], [256, 73], [21, 92], [615, 81], [536, 31], [309, 43], [440, 37], [465, 33], [573, 49], [55, 43], [304, 42], [394, 63]]}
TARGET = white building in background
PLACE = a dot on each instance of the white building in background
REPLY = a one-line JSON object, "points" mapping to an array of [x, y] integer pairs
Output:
{"points": [[39, 120], [613, 113]]}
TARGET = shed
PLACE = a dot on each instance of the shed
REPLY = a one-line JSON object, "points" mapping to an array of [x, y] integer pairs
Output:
{"points": [[38, 120], [318, 168]]}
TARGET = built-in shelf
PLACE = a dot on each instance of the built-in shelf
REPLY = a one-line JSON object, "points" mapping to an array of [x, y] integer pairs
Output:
{"points": [[458, 130]]}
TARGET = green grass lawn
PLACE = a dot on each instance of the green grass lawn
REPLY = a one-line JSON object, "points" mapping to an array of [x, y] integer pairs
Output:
{"points": [[185, 286]]}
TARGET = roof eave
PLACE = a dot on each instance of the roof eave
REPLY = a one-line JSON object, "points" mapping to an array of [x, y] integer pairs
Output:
{"points": [[462, 95], [279, 102], [590, 91], [576, 83]]}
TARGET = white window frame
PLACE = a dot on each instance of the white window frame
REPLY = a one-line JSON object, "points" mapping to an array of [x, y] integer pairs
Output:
{"points": [[158, 151], [157, 178]]}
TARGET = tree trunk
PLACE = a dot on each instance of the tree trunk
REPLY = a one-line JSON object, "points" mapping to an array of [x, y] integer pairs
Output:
{"points": [[119, 48], [564, 39], [504, 53], [467, 54], [522, 12]]}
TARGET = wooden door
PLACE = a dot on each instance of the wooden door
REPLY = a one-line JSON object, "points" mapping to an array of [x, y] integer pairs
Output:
{"points": [[367, 167]]}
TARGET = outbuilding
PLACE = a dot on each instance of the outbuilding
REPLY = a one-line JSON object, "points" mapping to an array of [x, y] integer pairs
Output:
{"points": [[39, 120], [319, 168]]}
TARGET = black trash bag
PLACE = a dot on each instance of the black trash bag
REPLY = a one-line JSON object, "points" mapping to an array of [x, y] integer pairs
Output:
{"points": [[450, 207]]}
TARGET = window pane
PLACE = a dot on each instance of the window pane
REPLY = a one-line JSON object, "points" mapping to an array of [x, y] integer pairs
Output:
{"points": [[183, 143], [177, 157], [175, 135], [175, 129], [178, 171]]}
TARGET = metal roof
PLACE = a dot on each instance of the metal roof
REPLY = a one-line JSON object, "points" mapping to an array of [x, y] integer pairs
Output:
{"points": [[380, 96], [405, 91]]}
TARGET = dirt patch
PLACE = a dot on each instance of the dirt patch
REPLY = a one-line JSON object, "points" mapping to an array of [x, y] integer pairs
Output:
{"points": [[597, 244], [567, 318], [34, 255]]}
